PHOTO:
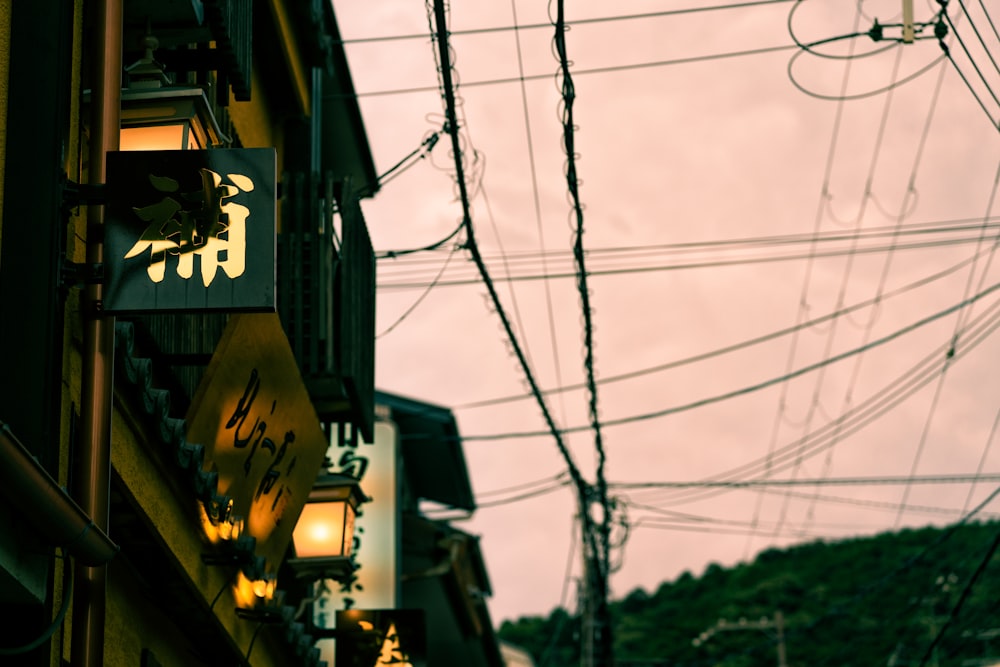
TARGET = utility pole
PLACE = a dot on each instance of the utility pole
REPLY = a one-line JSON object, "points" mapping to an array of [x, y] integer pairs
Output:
{"points": [[596, 640], [776, 623]]}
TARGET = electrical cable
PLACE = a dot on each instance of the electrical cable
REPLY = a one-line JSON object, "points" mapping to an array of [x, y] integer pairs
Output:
{"points": [[421, 152], [989, 19], [580, 72], [904, 566], [947, 54], [924, 434], [573, 182], [982, 459], [953, 232], [218, 595], [962, 598], [536, 199], [864, 413], [528, 495], [961, 42], [60, 617], [757, 386], [563, 598], [405, 283], [727, 349], [391, 254], [963, 315], [858, 96], [842, 293], [715, 530], [419, 300], [253, 639], [521, 487], [968, 85], [534, 26], [807, 47], [880, 505], [979, 36], [859, 417], [748, 483], [900, 216], [448, 92], [843, 608], [506, 268]]}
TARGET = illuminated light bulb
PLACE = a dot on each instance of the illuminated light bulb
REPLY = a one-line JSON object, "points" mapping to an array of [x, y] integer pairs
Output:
{"points": [[264, 588], [237, 527]]}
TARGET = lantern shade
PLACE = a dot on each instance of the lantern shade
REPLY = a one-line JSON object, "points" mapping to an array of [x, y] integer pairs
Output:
{"points": [[324, 533], [323, 528], [167, 118]]}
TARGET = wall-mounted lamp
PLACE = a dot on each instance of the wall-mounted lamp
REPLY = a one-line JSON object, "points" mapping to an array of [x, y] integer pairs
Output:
{"points": [[157, 115], [169, 118], [324, 533]]}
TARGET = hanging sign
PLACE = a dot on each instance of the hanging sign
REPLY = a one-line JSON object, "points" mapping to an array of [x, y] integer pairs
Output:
{"points": [[190, 231], [260, 431], [374, 637]]}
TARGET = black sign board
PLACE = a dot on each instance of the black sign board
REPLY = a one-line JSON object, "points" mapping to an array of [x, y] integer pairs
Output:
{"points": [[373, 637], [190, 231]]}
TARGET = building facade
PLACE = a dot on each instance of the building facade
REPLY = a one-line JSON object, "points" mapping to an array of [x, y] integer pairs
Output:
{"points": [[142, 437]]}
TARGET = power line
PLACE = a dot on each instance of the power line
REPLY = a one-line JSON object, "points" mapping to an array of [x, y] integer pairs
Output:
{"points": [[931, 228], [536, 200], [760, 385], [534, 26], [979, 36], [527, 276], [851, 421], [598, 641], [900, 216], [392, 254], [444, 69], [527, 495], [815, 481], [579, 72], [996, 421], [547, 481], [413, 306], [729, 348], [941, 33], [962, 598], [867, 503], [842, 293]]}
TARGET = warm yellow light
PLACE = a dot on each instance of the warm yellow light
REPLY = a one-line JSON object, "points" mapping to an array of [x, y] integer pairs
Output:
{"points": [[167, 118], [158, 138], [320, 531], [231, 528], [264, 588], [243, 592]]}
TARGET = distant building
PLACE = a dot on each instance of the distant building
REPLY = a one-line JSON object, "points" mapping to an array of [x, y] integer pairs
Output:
{"points": [[413, 565], [514, 656]]}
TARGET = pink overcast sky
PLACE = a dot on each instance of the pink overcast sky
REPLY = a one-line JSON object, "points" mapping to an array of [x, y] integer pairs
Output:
{"points": [[791, 259]]}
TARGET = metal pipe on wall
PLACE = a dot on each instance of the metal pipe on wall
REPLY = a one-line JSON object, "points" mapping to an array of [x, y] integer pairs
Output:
{"points": [[30, 488], [93, 460]]}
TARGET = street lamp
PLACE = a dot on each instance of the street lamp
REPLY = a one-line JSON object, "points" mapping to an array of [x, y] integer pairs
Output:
{"points": [[324, 533], [157, 115], [172, 117]]}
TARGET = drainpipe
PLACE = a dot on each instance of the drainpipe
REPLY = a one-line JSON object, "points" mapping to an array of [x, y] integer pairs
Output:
{"points": [[33, 492], [93, 459]]}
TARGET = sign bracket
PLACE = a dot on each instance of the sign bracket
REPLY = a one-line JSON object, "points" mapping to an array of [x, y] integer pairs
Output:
{"points": [[79, 274]]}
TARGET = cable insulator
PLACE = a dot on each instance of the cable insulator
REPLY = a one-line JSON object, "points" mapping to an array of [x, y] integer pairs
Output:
{"points": [[940, 29], [876, 31]]}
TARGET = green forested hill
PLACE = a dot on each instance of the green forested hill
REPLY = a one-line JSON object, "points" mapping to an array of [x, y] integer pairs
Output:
{"points": [[926, 596]]}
